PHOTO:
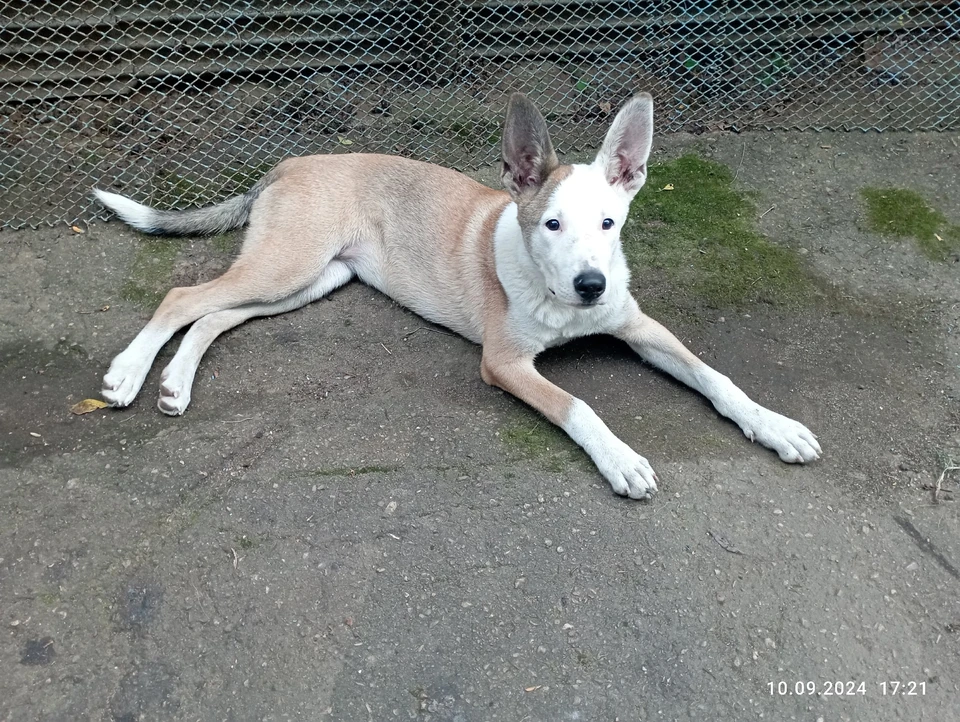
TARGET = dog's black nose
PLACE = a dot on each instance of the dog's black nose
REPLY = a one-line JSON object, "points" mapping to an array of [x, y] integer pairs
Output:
{"points": [[590, 285]]}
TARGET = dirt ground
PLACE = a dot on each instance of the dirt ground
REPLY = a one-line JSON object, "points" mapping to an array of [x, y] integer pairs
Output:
{"points": [[347, 524]]}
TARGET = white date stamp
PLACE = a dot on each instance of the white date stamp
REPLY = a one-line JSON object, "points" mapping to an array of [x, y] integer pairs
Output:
{"points": [[846, 688]]}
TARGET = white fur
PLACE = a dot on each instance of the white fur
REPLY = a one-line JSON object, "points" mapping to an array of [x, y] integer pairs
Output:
{"points": [[628, 473], [136, 214], [581, 203]]}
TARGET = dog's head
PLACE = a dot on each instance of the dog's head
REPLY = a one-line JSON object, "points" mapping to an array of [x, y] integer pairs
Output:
{"points": [[571, 215]]}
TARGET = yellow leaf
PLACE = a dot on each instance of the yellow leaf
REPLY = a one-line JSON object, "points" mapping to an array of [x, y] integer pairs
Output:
{"points": [[77, 229], [86, 406], [667, 187], [344, 141]]}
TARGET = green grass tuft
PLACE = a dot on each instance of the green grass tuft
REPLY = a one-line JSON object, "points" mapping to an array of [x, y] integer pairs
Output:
{"points": [[905, 214], [703, 237]]}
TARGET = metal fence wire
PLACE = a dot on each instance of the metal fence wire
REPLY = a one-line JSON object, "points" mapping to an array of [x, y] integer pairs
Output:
{"points": [[180, 103]]}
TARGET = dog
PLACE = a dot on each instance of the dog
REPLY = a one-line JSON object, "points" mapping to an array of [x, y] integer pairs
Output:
{"points": [[516, 270]]}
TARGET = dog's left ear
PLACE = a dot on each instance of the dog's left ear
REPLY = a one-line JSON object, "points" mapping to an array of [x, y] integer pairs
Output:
{"points": [[527, 153], [623, 156]]}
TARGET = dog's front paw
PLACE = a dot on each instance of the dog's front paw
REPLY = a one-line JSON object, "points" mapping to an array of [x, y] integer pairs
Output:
{"points": [[793, 441], [628, 473]]}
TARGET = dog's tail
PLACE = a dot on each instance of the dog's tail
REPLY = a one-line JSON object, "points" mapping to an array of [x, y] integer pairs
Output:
{"points": [[231, 213]]}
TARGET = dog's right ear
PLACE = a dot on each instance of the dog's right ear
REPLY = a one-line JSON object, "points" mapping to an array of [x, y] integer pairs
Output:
{"points": [[527, 153]]}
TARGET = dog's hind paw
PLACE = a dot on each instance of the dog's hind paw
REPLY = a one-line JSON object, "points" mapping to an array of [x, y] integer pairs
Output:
{"points": [[628, 473], [122, 382], [174, 391], [793, 442]]}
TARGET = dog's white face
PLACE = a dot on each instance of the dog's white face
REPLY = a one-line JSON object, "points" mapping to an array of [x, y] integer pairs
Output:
{"points": [[571, 216], [575, 240]]}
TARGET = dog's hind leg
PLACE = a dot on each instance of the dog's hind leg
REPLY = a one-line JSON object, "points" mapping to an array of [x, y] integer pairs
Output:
{"points": [[249, 280], [177, 378]]}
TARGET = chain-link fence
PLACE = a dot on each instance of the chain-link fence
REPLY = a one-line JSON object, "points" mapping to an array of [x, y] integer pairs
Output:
{"points": [[179, 103]]}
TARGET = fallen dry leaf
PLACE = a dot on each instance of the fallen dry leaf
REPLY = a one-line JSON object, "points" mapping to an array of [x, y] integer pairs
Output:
{"points": [[667, 187], [87, 405], [344, 141], [34, 433], [77, 229], [532, 689]]}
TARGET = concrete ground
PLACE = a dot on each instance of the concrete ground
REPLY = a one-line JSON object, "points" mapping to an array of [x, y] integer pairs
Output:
{"points": [[347, 524]]}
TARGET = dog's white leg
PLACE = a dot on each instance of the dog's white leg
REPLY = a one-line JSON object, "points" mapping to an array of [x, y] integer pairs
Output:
{"points": [[790, 439], [628, 473], [177, 378], [129, 368]]}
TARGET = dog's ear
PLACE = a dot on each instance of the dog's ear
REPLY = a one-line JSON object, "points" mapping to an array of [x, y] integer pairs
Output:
{"points": [[527, 153], [623, 156]]}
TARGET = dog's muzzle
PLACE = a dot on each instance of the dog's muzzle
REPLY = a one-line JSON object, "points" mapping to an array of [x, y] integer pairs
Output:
{"points": [[590, 285]]}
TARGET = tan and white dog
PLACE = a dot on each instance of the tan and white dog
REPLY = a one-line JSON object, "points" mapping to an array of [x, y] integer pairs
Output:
{"points": [[516, 271]]}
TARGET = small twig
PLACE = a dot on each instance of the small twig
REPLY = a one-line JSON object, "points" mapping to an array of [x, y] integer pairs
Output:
{"points": [[768, 210], [427, 328], [937, 488], [724, 544], [743, 152], [387, 350], [240, 421]]}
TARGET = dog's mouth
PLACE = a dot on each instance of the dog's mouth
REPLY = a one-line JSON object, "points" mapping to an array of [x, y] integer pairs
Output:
{"points": [[579, 303]]}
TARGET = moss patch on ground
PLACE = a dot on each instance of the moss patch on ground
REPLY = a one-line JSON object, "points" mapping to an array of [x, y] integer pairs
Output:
{"points": [[700, 232], [530, 436], [904, 213], [149, 277]]}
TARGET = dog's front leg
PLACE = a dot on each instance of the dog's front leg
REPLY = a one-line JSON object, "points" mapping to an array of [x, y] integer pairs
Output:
{"points": [[628, 473], [790, 439]]}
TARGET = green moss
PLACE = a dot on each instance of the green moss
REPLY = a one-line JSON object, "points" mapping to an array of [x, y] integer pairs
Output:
{"points": [[904, 213], [530, 436], [702, 236], [225, 243], [149, 276]]}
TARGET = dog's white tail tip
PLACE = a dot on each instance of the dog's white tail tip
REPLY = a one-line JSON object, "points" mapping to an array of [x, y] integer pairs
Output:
{"points": [[136, 214]]}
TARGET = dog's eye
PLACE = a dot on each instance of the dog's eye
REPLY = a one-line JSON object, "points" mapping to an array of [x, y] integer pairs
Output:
{"points": [[607, 224], [553, 225]]}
